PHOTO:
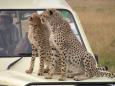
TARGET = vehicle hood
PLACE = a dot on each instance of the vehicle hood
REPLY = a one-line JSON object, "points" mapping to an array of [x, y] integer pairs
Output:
{"points": [[16, 75]]}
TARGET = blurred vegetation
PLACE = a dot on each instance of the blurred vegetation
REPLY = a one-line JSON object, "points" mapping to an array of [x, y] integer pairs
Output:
{"points": [[98, 20]]}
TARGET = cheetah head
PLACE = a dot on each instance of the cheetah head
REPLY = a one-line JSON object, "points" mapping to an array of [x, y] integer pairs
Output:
{"points": [[34, 20], [47, 15]]}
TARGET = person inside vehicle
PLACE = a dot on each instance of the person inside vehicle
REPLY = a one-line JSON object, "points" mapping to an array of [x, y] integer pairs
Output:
{"points": [[23, 47], [9, 35]]}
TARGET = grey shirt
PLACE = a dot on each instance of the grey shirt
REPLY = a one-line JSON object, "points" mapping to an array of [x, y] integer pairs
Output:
{"points": [[9, 37]]}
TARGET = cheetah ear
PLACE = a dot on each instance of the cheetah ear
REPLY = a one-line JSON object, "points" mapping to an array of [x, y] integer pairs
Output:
{"points": [[51, 11]]}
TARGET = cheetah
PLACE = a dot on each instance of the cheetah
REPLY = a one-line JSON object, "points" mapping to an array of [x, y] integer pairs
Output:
{"points": [[72, 52], [39, 38], [35, 40]]}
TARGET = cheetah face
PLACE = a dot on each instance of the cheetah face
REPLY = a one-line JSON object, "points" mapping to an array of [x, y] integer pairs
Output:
{"points": [[34, 20], [47, 15]]}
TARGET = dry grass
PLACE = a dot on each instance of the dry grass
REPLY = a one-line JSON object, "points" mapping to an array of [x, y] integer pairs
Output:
{"points": [[98, 20]]}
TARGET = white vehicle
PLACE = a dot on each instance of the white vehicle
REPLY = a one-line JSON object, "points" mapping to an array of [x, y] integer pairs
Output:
{"points": [[15, 51]]}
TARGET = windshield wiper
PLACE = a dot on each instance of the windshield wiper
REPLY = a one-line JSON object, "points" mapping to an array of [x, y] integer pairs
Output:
{"points": [[11, 64], [20, 55]]}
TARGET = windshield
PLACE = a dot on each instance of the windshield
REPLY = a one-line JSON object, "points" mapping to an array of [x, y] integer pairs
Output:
{"points": [[14, 31]]}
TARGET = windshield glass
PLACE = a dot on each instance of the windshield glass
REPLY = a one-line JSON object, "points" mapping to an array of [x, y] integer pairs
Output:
{"points": [[14, 31]]}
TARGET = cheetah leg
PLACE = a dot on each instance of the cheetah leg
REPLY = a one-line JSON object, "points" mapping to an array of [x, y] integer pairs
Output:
{"points": [[42, 58], [72, 75], [62, 55], [49, 53], [87, 63], [63, 66], [46, 70], [80, 77], [56, 55], [51, 63], [51, 68], [53, 58], [84, 76], [34, 53]]}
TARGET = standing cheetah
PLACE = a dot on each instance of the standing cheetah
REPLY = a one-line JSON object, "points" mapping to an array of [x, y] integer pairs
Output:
{"points": [[38, 36], [71, 51]]}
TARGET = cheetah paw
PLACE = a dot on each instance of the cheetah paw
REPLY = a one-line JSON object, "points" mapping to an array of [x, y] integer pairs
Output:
{"points": [[70, 76], [46, 70], [48, 77], [76, 79], [61, 79], [28, 71], [40, 74]]}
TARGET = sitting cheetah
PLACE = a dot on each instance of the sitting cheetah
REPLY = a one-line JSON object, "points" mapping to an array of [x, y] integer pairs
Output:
{"points": [[72, 53], [38, 36], [33, 36]]}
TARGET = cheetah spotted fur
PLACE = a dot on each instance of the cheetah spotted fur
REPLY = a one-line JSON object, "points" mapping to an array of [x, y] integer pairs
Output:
{"points": [[72, 53], [39, 38]]}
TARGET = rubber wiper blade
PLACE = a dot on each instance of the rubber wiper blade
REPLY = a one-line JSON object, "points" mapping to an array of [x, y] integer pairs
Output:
{"points": [[13, 63]]}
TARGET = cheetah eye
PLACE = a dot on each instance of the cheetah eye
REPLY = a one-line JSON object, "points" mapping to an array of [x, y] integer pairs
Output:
{"points": [[30, 19]]}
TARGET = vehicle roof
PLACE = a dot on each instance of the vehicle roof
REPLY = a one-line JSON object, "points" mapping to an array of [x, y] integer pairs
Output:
{"points": [[33, 4]]}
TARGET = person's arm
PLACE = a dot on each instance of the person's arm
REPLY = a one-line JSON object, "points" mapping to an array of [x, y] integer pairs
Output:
{"points": [[15, 34], [13, 40], [23, 46]]}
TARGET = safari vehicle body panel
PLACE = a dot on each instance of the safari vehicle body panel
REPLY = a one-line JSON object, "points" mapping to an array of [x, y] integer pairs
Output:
{"points": [[16, 74]]}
